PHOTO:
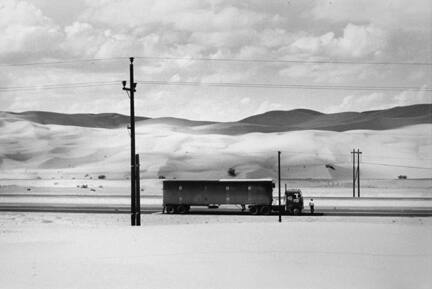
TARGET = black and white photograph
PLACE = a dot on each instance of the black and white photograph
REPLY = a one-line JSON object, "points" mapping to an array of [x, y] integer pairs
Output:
{"points": [[219, 144]]}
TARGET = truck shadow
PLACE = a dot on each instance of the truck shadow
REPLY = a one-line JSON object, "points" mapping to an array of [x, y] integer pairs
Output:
{"points": [[239, 213]]}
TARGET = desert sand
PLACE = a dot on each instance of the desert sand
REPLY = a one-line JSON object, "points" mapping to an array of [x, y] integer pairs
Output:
{"points": [[314, 145], [49, 159], [31, 150], [101, 251]]}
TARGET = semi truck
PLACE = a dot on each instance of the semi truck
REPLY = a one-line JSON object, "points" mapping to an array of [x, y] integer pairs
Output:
{"points": [[254, 194]]}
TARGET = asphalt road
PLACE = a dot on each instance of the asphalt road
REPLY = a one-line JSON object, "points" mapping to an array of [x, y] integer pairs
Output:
{"points": [[153, 209]]}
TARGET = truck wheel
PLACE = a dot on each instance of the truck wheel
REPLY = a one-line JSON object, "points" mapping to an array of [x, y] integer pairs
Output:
{"points": [[265, 210], [170, 209], [296, 212], [254, 210], [182, 209]]}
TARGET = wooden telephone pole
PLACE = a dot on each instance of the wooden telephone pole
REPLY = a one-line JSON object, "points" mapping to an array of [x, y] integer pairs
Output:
{"points": [[356, 171], [131, 89], [137, 192], [279, 187]]}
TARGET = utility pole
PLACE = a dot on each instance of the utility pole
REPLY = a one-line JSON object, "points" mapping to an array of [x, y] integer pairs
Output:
{"points": [[356, 171], [279, 187], [137, 191], [132, 90]]}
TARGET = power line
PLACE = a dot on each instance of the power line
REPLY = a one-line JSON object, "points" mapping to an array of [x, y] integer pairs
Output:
{"points": [[69, 61], [324, 162], [218, 84], [237, 60], [281, 85], [289, 152], [399, 166], [58, 86], [282, 61]]}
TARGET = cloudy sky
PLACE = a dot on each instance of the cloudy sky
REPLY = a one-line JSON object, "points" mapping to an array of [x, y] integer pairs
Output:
{"points": [[170, 39]]}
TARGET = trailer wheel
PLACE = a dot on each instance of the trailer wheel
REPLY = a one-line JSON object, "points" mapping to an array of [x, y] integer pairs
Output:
{"points": [[265, 210], [170, 209], [254, 210], [182, 209]]}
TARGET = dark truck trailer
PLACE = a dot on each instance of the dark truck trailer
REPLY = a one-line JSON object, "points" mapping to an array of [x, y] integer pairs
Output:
{"points": [[256, 194]]}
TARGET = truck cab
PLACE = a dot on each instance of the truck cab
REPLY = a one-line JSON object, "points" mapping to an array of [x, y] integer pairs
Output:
{"points": [[294, 202]]}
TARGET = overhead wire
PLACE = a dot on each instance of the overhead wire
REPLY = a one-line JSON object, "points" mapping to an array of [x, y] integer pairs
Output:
{"points": [[211, 59], [281, 85], [227, 84], [69, 61], [317, 154], [59, 86], [281, 61], [219, 84], [306, 164], [399, 166]]}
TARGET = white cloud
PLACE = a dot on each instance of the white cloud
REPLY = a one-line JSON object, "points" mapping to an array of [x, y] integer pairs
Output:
{"points": [[276, 38], [245, 100], [25, 31], [79, 33], [192, 15], [408, 98], [379, 100], [267, 106], [356, 41], [394, 14], [211, 29]]}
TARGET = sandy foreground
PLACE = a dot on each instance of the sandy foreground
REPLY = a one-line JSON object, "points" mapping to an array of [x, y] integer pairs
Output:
{"points": [[52, 250]]}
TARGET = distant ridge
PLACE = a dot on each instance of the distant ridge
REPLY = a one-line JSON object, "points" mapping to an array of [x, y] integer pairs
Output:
{"points": [[271, 121], [303, 119], [101, 120], [282, 117]]}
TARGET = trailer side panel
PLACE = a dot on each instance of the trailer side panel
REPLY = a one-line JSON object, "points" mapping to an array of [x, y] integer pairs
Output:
{"points": [[206, 192]]}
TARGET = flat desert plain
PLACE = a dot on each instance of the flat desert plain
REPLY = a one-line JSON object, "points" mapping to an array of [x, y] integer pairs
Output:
{"points": [[51, 250]]}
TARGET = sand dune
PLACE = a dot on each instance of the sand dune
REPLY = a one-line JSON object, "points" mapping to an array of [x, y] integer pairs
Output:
{"points": [[272, 121], [102, 120], [179, 148], [173, 121], [302, 119], [65, 151], [282, 117]]}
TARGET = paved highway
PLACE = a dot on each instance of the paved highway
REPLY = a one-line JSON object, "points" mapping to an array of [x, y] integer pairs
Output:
{"points": [[152, 209]]}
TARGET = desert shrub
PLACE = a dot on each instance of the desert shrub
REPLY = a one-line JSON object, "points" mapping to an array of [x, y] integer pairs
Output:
{"points": [[232, 172]]}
